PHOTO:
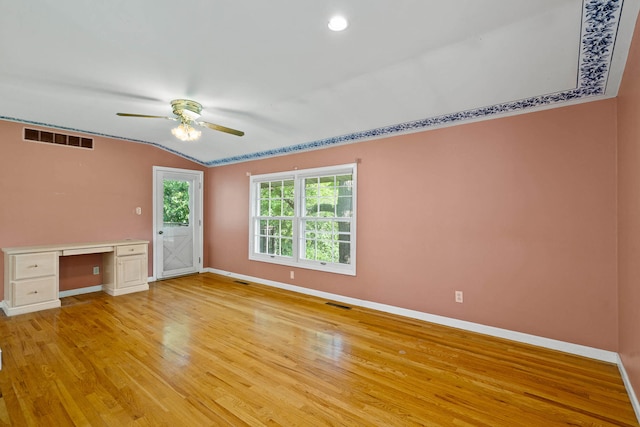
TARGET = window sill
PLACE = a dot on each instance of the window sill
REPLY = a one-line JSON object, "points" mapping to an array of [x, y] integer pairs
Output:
{"points": [[349, 270]]}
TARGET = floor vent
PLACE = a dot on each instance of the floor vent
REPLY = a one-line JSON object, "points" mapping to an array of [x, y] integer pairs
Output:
{"points": [[57, 138], [241, 282], [333, 304]]}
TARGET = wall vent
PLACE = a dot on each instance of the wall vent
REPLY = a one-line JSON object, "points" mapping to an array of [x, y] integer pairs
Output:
{"points": [[57, 138]]}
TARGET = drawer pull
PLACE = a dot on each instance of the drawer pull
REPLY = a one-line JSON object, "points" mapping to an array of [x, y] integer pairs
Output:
{"points": [[35, 292], [33, 266]]}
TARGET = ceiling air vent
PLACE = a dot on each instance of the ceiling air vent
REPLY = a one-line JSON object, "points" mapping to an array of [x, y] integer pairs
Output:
{"points": [[57, 138]]}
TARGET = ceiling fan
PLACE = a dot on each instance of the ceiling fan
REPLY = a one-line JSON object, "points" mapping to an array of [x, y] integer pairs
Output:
{"points": [[187, 113]]}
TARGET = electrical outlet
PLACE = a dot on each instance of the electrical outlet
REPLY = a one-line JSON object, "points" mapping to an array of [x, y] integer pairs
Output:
{"points": [[96, 270], [291, 275], [459, 297]]}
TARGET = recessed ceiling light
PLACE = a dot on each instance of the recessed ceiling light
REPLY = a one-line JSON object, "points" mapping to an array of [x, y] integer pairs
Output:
{"points": [[338, 23]]}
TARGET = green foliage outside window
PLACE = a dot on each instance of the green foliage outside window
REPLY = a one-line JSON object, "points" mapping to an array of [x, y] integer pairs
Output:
{"points": [[327, 211], [276, 201], [176, 203], [328, 206]]}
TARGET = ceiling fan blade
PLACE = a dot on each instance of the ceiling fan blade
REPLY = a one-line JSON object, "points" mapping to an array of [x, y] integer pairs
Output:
{"points": [[221, 128], [143, 115]]}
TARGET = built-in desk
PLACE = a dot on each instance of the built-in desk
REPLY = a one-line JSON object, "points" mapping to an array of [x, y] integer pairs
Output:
{"points": [[32, 273]]}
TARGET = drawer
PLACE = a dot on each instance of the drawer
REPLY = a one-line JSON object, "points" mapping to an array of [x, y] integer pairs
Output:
{"points": [[34, 291], [26, 266], [131, 250]]}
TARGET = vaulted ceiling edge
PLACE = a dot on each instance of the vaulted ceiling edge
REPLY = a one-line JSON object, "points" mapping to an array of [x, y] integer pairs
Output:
{"points": [[600, 22]]}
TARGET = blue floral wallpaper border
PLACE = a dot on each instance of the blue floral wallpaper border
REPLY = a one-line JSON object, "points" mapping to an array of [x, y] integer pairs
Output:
{"points": [[600, 24], [599, 29]]}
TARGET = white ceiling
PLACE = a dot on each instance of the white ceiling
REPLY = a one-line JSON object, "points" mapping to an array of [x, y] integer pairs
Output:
{"points": [[274, 70]]}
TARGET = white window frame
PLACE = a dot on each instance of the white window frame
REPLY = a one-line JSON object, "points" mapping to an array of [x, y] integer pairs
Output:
{"points": [[298, 177]]}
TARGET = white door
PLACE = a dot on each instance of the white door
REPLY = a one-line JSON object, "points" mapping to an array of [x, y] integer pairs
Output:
{"points": [[177, 222]]}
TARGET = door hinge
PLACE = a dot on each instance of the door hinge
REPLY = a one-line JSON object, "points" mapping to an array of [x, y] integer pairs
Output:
{"points": [[199, 260]]}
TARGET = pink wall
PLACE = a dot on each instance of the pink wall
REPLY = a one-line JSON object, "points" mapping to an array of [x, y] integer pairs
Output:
{"points": [[56, 194], [519, 213], [629, 213]]}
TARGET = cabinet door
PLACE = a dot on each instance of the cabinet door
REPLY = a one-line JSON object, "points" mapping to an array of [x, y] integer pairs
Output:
{"points": [[131, 271]]}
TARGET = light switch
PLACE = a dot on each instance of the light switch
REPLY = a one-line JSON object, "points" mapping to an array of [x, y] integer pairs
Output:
{"points": [[138, 211]]}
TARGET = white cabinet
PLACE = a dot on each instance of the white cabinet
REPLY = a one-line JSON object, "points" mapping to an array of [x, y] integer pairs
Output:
{"points": [[31, 282], [31, 274], [131, 271], [126, 272]]}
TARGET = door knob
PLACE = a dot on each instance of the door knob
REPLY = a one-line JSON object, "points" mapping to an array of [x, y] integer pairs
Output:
{"points": [[160, 232]]}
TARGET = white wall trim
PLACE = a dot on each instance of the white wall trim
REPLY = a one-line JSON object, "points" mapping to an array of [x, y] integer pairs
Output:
{"points": [[627, 383], [87, 290], [579, 350], [79, 291]]}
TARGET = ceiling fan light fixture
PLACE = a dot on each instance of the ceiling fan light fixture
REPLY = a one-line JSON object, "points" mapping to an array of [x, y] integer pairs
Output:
{"points": [[338, 23], [185, 132], [188, 113], [191, 115], [186, 108]]}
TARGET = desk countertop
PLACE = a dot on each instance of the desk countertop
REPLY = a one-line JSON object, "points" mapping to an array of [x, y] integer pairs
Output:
{"points": [[68, 246]]}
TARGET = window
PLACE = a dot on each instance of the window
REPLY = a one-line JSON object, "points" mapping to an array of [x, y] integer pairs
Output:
{"points": [[305, 218]]}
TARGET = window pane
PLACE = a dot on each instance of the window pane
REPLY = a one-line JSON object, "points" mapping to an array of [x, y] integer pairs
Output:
{"points": [[176, 203], [344, 180], [264, 190], [288, 207], [276, 207], [287, 247], [325, 235], [344, 253], [310, 249], [276, 190], [327, 207], [311, 186], [264, 207], [344, 227], [264, 225], [286, 228], [287, 189], [273, 246], [311, 207], [344, 207], [327, 180], [324, 251]]}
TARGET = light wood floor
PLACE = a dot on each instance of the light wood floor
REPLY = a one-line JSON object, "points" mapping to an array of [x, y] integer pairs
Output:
{"points": [[205, 351]]}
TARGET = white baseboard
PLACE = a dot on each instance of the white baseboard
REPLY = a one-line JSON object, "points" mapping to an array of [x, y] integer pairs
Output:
{"points": [[87, 290], [79, 291], [627, 383], [579, 350]]}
